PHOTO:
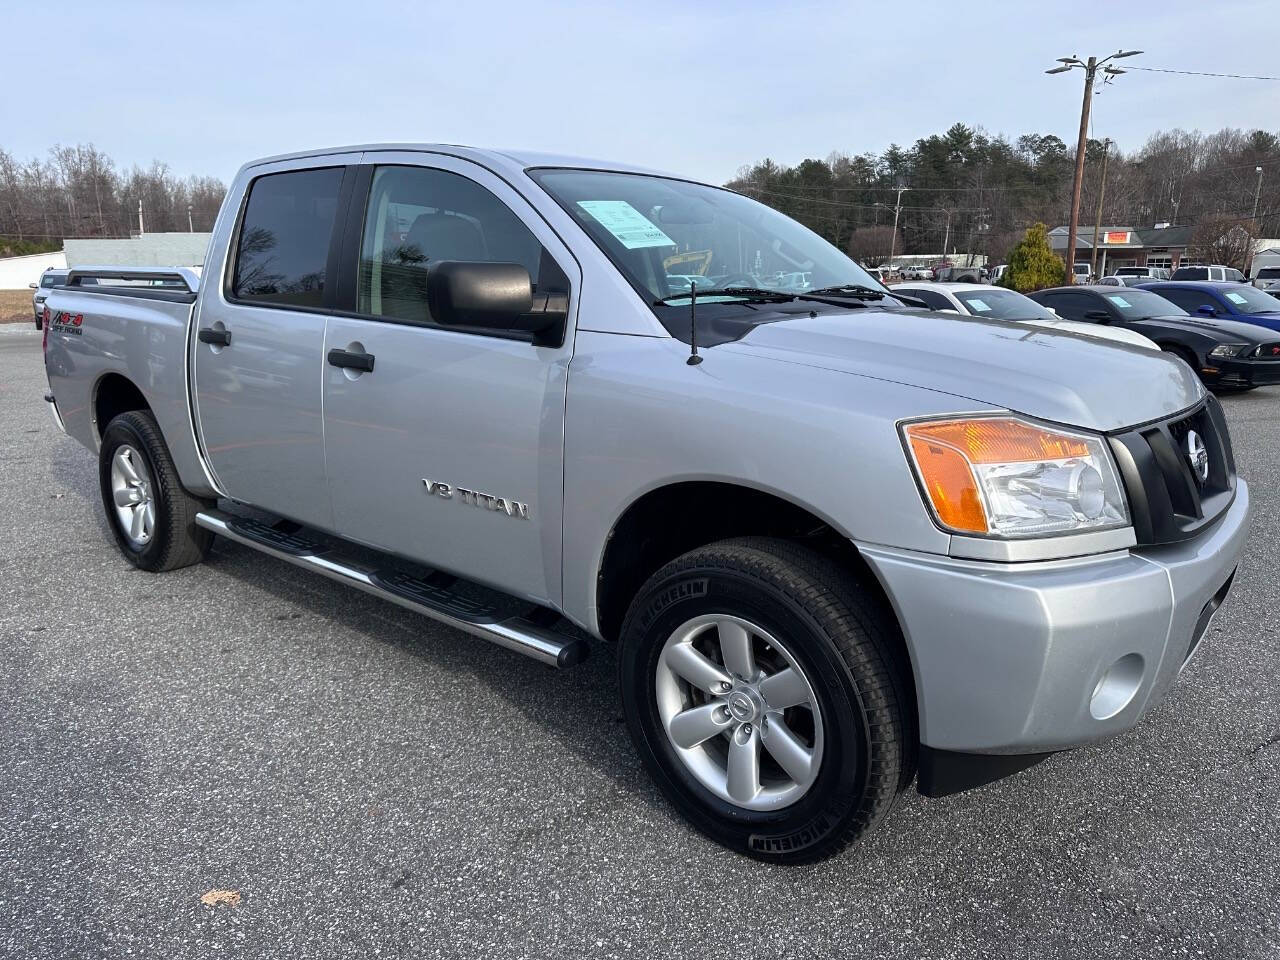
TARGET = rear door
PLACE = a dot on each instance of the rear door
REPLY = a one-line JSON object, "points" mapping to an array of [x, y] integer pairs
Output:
{"points": [[450, 449], [259, 351]]}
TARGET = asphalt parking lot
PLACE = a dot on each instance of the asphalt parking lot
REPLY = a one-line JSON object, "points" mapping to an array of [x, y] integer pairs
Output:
{"points": [[371, 784]]}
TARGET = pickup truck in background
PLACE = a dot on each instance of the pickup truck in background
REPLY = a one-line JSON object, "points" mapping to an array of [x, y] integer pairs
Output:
{"points": [[841, 544]]}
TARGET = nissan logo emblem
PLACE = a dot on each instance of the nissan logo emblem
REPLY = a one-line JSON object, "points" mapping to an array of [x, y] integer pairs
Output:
{"points": [[1198, 457]]}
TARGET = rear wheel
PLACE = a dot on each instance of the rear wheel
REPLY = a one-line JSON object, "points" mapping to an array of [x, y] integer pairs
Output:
{"points": [[762, 689], [150, 514]]}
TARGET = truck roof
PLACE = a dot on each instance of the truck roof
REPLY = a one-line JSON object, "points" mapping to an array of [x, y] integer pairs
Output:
{"points": [[490, 157]]}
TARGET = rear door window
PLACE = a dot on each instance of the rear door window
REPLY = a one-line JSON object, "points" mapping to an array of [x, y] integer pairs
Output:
{"points": [[283, 246]]}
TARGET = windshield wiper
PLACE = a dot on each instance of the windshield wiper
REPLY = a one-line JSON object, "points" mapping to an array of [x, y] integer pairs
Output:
{"points": [[854, 290], [739, 293]]}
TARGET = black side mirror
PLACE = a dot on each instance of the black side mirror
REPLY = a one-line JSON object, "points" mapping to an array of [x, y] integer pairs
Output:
{"points": [[1207, 309], [491, 296], [1097, 316]]}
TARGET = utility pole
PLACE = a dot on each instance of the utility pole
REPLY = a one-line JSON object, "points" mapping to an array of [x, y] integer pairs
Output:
{"points": [[1090, 68], [1257, 192], [1097, 223], [141, 231], [191, 229], [946, 237], [897, 210]]}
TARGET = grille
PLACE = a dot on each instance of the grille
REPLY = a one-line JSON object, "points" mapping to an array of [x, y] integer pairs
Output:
{"points": [[1168, 501]]}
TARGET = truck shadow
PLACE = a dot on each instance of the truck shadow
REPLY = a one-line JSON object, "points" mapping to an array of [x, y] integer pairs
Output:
{"points": [[576, 708]]}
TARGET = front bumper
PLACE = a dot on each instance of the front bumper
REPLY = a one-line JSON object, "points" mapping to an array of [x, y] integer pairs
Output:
{"points": [[1026, 658], [1242, 371]]}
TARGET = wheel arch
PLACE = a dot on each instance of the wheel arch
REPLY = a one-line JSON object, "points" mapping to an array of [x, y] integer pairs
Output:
{"points": [[665, 521], [114, 394]]}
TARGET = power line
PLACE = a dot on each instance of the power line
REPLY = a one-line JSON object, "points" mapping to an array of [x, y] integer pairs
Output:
{"points": [[1201, 73]]}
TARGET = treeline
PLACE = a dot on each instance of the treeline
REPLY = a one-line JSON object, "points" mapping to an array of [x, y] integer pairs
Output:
{"points": [[979, 193], [78, 192]]}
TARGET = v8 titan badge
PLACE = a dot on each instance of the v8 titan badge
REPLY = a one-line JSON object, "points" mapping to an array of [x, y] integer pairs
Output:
{"points": [[447, 491]]}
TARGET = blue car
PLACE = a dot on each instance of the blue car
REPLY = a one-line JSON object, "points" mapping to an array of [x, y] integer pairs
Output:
{"points": [[1217, 298]]}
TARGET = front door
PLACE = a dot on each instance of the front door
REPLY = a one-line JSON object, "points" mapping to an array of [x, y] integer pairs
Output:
{"points": [[450, 449], [259, 349]]}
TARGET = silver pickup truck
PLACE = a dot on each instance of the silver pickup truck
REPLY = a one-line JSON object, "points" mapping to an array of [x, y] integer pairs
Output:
{"points": [[839, 542]]}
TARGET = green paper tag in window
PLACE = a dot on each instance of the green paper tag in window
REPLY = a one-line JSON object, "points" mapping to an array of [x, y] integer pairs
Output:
{"points": [[632, 229]]}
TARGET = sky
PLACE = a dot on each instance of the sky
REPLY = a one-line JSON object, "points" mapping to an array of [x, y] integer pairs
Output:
{"points": [[700, 88]]}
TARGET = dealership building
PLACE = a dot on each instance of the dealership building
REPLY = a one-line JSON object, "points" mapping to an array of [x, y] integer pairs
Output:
{"points": [[1125, 246]]}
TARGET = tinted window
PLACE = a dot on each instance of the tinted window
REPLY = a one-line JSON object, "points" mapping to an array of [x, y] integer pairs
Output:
{"points": [[284, 237], [1269, 273], [418, 216], [1188, 300], [49, 281], [1191, 273], [1236, 275], [935, 300], [1071, 306]]}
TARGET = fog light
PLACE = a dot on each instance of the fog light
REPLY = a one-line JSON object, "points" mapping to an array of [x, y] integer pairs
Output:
{"points": [[1117, 687]]}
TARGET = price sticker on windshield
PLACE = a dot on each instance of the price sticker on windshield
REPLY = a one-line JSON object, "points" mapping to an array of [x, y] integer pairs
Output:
{"points": [[631, 228], [1236, 298]]}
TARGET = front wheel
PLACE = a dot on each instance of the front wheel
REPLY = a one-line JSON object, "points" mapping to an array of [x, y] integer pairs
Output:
{"points": [[763, 689], [149, 512]]}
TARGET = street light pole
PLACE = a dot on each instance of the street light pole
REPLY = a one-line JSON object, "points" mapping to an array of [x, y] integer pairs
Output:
{"points": [[1097, 224], [191, 229], [1090, 68], [897, 209], [1257, 192]]}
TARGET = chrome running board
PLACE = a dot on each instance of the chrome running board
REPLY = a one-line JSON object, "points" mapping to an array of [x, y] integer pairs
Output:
{"points": [[516, 632]]}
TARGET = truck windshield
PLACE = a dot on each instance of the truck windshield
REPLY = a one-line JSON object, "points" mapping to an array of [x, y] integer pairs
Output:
{"points": [[667, 235]]}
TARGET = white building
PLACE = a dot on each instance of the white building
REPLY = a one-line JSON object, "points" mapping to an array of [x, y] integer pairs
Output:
{"points": [[17, 273], [146, 250]]}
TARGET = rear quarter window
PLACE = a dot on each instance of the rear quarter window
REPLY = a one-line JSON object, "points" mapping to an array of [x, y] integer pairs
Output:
{"points": [[282, 247]]}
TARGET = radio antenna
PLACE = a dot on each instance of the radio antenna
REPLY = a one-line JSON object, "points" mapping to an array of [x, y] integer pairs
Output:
{"points": [[694, 359]]}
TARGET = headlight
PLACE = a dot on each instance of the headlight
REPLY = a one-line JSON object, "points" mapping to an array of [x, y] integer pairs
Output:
{"points": [[1007, 477], [1228, 350]]}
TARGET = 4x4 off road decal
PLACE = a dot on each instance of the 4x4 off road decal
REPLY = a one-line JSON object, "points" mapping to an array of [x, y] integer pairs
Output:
{"points": [[62, 322]]}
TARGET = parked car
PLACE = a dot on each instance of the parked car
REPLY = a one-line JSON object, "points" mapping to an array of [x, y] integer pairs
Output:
{"points": [[1224, 353], [998, 272], [840, 544], [1114, 281], [1200, 271], [918, 273], [959, 275], [1234, 301], [48, 280], [1082, 272], [1151, 273], [997, 303], [1265, 277]]}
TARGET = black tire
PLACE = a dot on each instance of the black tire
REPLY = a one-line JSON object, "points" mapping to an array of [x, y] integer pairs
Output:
{"points": [[176, 541], [848, 644]]}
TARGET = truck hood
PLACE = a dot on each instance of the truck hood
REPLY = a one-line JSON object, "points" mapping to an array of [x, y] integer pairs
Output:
{"points": [[1046, 373]]}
